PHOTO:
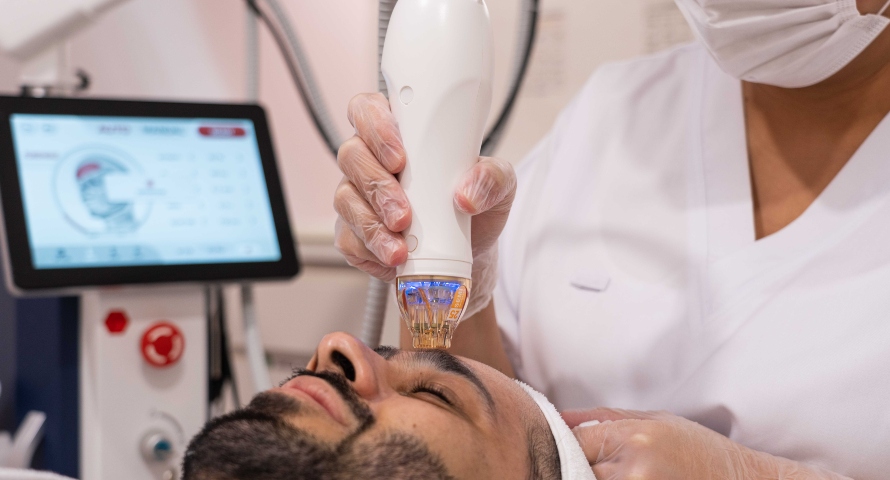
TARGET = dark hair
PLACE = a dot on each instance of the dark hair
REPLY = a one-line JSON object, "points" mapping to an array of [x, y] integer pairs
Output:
{"points": [[252, 445], [542, 451]]}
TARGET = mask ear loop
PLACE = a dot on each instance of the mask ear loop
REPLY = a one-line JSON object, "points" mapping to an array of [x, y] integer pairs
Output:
{"points": [[884, 9]]}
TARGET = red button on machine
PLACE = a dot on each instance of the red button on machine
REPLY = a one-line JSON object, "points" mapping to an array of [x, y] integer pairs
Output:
{"points": [[162, 345], [116, 322]]}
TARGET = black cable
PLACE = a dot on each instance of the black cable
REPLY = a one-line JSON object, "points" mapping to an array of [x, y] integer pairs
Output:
{"points": [[494, 135], [220, 371], [295, 75], [228, 372]]}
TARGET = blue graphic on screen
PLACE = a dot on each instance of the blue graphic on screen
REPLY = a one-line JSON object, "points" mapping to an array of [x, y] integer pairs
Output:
{"points": [[125, 191]]}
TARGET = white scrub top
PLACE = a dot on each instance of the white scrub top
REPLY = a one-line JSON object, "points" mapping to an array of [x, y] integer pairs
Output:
{"points": [[630, 275]]}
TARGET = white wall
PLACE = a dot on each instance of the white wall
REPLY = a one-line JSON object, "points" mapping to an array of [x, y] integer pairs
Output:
{"points": [[574, 37], [194, 50]]}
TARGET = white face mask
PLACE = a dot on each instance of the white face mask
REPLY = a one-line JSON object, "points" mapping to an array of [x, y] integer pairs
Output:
{"points": [[786, 43]]}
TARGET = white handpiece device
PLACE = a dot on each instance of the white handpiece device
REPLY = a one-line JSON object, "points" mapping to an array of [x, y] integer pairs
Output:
{"points": [[438, 63]]}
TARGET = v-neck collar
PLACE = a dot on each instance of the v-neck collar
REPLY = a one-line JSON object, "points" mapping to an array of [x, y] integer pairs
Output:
{"points": [[733, 257]]}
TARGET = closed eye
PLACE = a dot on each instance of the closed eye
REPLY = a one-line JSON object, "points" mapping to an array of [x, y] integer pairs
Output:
{"points": [[432, 390]]}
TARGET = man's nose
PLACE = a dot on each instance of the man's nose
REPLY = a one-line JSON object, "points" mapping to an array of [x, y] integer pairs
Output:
{"points": [[345, 354]]}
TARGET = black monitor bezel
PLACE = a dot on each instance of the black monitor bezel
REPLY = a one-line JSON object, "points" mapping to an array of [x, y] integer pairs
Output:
{"points": [[26, 278]]}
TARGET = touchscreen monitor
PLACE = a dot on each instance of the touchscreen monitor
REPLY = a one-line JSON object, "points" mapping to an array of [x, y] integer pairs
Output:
{"points": [[99, 192]]}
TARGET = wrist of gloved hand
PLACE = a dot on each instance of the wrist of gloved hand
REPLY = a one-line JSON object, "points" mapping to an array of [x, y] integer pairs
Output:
{"points": [[485, 277], [768, 466]]}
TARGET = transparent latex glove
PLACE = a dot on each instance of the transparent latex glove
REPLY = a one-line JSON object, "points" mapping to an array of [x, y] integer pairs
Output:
{"points": [[640, 445], [373, 209]]}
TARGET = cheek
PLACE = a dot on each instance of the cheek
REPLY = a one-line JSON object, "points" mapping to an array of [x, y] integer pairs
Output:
{"points": [[427, 421], [464, 449]]}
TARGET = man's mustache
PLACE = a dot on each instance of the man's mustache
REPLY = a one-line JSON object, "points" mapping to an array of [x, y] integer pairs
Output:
{"points": [[274, 404]]}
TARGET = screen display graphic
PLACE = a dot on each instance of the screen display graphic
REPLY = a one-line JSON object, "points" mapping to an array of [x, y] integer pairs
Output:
{"points": [[122, 191]]}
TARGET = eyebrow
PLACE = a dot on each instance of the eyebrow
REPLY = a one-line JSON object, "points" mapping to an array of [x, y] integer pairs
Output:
{"points": [[447, 363]]}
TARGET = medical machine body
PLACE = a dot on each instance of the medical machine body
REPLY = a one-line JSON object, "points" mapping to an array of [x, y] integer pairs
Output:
{"points": [[143, 380], [438, 63], [135, 206]]}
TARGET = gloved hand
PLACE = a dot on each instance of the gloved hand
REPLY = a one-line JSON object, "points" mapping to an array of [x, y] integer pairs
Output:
{"points": [[373, 209], [633, 444]]}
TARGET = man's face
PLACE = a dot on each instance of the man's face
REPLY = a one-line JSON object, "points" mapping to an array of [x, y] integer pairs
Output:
{"points": [[360, 406], [463, 411]]}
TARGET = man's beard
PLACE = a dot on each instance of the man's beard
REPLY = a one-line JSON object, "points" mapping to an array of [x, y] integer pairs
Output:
{"points": [[258, 442]]}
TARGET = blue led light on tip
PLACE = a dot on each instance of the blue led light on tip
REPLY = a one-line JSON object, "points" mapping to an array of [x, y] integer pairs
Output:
{"points": [[432, 308]]}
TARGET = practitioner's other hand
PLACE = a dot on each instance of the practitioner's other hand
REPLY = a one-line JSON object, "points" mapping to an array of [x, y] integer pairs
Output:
{"points": [[641, 445]]}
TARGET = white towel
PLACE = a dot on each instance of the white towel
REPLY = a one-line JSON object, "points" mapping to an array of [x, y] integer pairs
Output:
{"points": [[573, 462], [17, 474]]}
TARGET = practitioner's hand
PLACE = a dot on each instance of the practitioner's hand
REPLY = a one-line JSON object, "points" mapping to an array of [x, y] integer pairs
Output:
{"points": [[373, 209], [640, 445]]}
